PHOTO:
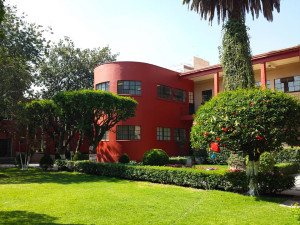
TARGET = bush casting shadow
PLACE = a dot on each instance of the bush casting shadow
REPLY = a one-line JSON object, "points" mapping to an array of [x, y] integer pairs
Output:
{"points": [[24, 217], [17, 176]]}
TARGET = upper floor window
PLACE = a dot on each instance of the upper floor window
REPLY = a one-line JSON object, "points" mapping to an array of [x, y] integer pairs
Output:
{"points": [[258, 84], [288, 84], [106, 136], [163, 134], [128, 132], [103, 86], [179, 95], [129, 87], [164, 92], [179, 135]]}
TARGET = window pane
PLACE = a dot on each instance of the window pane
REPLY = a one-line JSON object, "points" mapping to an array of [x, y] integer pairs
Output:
{"points": [[103, 86], [164, 92], [179, 95], [129, 87]]}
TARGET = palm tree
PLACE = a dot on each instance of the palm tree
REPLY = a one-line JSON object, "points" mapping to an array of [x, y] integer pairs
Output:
{"points": [[235, 53]]}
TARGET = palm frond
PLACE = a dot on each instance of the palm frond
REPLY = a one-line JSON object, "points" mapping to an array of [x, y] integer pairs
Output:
{"points": [[233, 8]]}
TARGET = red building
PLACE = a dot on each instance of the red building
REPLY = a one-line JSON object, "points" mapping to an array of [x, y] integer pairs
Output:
{"points": [[160, 120]]}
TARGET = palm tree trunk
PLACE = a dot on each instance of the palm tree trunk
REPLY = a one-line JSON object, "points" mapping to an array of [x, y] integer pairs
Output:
{"points": [[236, 56]]}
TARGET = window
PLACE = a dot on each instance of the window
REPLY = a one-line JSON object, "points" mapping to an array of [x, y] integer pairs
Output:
{"points": [[128, 132], [258, 84], [129, 87], [164, 92], [106, 136], [179, 135], [206, 96], [179, 95], [191, 97], [163, 134], [103, 86], [288, 84]]}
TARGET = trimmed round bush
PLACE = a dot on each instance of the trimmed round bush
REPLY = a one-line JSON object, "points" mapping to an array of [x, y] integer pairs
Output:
{"points": [[46, 162], [266, 162], [124, 159], [155, 157]]}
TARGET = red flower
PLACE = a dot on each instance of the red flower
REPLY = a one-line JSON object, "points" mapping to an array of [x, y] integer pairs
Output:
{"points": [[197, 149], [259, 138], [224, 145], [251, 103], [234, 113], [224, 129], [215, 147], [205, 133], [218, 139]]}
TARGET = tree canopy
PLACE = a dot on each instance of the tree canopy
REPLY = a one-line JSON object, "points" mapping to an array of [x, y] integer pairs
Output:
{"points": [[68, 68], [21, 49], [95, 112]]}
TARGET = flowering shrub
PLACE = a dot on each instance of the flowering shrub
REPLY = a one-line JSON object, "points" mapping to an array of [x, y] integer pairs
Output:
{"points": [[248, 120]]}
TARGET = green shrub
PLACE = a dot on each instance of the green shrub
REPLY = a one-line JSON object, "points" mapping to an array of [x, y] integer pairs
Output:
{"points": [[79, 156], [224, 180], [287, 168], [124, 158], [155, 157], [178, 160], [65, 165], [246, 120], [46, 162], [61, 164], [273, 182], [266, 162], [287, 155]]}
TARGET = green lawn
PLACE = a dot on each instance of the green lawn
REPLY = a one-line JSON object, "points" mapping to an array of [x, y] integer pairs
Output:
{"points": [[36, 197]]}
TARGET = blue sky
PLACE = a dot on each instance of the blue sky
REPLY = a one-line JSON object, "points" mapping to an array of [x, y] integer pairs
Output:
{"points": [[160, 32]]}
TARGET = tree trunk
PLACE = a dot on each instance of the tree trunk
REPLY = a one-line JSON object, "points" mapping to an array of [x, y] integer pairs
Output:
{"points": [[79, 142], [235, 56], [252, 172]]}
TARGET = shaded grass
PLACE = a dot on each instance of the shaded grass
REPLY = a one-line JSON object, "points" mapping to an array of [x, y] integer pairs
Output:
{"points": [[37, 197]]}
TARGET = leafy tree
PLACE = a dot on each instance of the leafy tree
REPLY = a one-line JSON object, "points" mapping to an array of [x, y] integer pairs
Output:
{"points": [[21, 49], [2, 12], [235, 52], [69, 68], [95, 112], [38, 117], [249, 122]]}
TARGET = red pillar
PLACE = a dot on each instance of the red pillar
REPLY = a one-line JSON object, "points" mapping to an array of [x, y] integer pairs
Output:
{"points": [[263, 75], [216, 83]]}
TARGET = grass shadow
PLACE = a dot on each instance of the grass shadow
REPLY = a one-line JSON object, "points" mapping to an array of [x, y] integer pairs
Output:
{"points": [[24, 217], [18, 176]]}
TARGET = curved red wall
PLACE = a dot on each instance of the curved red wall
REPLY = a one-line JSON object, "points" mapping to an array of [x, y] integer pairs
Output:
{"points": [[151, 112]]}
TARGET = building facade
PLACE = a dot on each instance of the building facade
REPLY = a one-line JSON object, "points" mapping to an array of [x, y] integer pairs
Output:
{"points": [[168, 99]]}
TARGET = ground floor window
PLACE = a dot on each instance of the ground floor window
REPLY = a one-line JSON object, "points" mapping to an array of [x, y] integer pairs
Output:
{"points": [[206, 96], [163, 134], [106, 136], [179, 135], [288, 84], [128, 132], [268, 84]]}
